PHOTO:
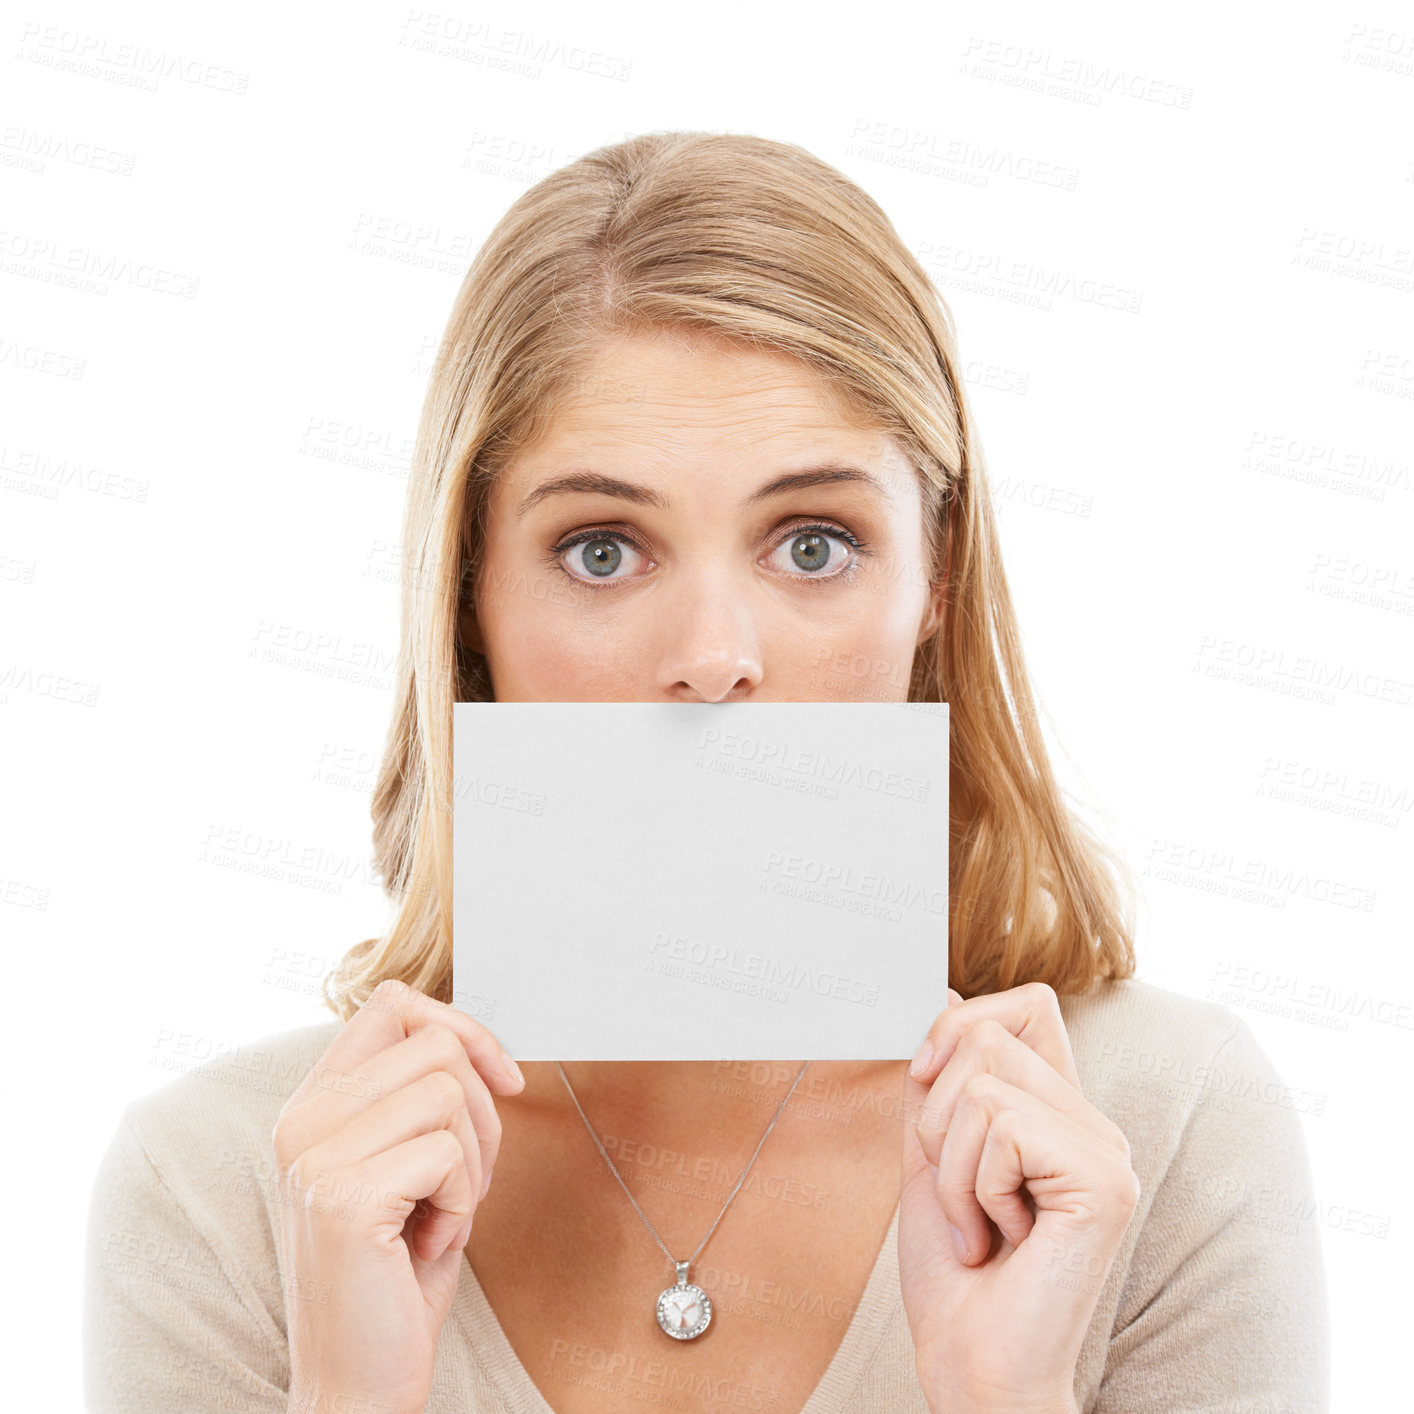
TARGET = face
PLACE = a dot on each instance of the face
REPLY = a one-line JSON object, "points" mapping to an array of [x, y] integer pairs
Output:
{"points": [[702, 524]]}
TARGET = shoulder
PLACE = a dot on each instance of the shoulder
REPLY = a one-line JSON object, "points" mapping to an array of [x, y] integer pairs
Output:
{"points": [[231, 1083], [1217, 1137], [230, 1100], [182, 1273], [204, 1139], [1168, 1068], [1130, 1038], [1219, 1284], [1113, 1014]]}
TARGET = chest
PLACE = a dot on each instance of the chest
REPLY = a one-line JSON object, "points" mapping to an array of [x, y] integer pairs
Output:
{"points": [[573, 1274]]}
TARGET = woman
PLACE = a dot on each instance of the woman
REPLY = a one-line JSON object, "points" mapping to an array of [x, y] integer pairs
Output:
{"points": [[696, 433]]}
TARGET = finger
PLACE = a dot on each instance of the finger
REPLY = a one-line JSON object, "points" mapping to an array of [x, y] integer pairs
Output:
{"points": [[1006, 1145], [393, 1012], [958, 1166], [987, 1047], [429, 1048], [426, 1168], [433, 1101], [402, 1063], [1031, 1012]]}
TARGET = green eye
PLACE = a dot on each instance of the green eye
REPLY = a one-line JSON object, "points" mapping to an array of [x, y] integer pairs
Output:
{"points": [[598, 559], [601, 557], [810, 551], [810, 547]]}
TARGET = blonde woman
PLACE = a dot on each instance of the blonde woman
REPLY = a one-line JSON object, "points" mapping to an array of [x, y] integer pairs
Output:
{"points": [[696, 434]]}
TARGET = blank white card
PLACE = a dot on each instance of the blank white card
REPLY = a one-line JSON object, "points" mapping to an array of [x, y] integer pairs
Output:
{"points": [[701, 881]]}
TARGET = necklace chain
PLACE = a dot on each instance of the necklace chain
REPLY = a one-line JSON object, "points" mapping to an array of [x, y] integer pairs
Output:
{"points": [[634, 1201]]}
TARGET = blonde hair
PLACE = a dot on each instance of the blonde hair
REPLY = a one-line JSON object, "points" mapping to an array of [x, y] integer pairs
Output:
{"points": [[760, 241]]}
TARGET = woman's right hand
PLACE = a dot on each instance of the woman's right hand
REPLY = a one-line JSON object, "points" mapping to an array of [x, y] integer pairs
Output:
{"points": [[382, 1154]]}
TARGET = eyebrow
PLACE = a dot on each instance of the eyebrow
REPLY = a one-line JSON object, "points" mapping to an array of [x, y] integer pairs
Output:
{"points": [[598, 484]]}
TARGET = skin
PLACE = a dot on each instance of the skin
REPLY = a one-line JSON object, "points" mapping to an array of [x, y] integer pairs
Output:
{"points": [[703, 599]]}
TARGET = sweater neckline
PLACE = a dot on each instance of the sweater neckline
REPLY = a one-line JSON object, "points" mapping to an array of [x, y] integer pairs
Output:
{"points": [[877, 1308]]}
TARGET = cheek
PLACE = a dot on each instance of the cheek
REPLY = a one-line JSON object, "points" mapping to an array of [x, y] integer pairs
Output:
{"points": [[549, 663], [538, 648], [861, 651]]}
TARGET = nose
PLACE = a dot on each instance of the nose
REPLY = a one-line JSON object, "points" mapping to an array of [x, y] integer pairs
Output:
{"points": [[711, 642]]}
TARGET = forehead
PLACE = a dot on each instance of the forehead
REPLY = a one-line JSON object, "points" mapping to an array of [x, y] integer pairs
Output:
{"points": [[679, 395]]}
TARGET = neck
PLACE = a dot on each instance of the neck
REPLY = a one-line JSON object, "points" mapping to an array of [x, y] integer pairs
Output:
{"points": [[692, 1104]]}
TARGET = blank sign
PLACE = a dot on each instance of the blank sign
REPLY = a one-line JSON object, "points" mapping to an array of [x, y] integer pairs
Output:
{"points": [[696, 881]]}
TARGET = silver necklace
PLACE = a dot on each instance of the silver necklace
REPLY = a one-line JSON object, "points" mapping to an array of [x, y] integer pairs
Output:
{"points": [[684, 1309]]}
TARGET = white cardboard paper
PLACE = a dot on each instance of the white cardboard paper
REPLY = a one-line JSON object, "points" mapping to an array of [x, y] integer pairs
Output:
{"points": [[701, 881]]}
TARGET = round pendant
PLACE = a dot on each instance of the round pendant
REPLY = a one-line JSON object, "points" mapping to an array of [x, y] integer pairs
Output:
{"points": [[684, 1310]]}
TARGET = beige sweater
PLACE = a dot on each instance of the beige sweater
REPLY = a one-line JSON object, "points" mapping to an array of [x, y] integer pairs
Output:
{"points": [[1216, 1300]]}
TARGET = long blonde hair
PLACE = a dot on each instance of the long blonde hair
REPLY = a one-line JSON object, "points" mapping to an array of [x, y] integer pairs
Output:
{"points": [[759, 241]]}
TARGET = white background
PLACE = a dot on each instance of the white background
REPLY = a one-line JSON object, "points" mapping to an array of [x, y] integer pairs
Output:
{"points": [[1214, 480]]}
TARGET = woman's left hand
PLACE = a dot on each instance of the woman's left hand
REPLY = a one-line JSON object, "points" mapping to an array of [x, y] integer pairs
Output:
{"points": [[997, 1132]]}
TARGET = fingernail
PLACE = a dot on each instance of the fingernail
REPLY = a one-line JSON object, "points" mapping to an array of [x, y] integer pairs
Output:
{"points": [[512, 1069], [922, 1060], [462, 1237], [486, 1183], [959, 1243]]}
